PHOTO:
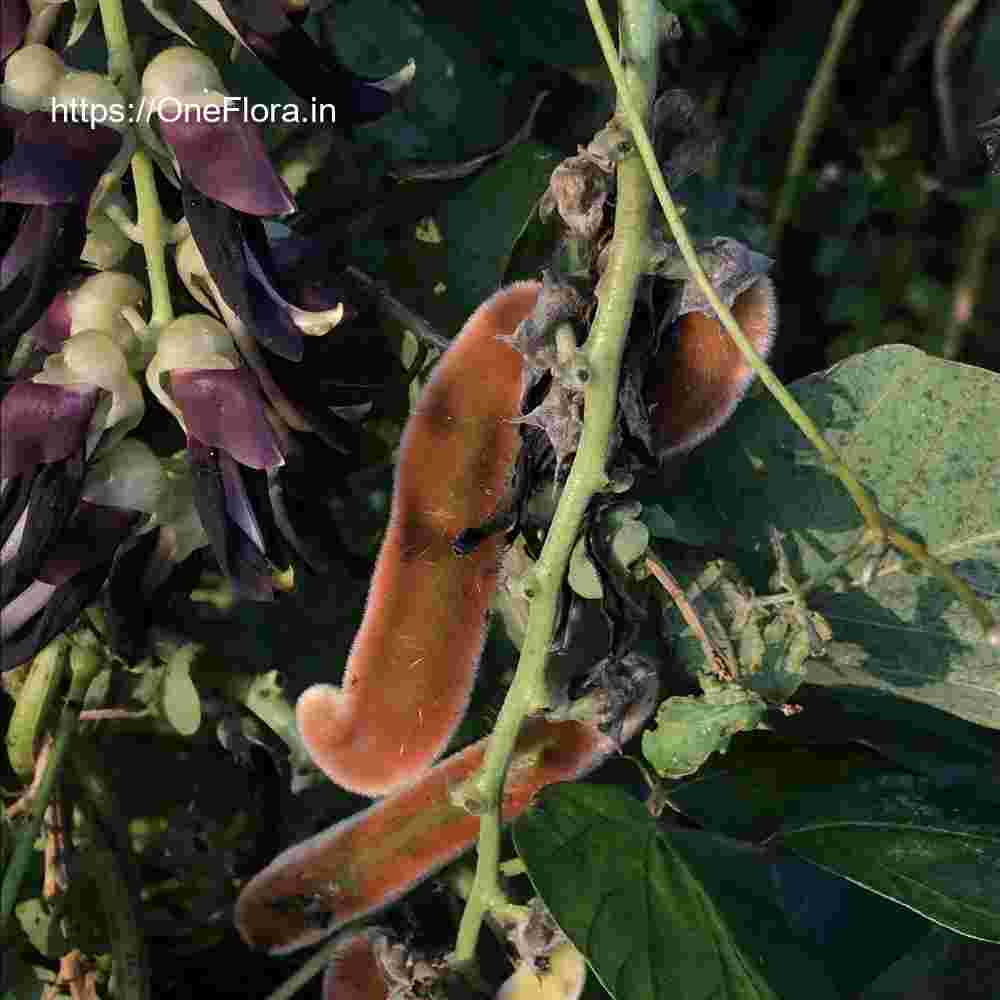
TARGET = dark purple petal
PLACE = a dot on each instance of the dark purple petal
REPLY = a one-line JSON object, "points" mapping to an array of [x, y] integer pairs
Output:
{"points": [[128, 612], [239, 559], [227, 161], [50, 500], [53, 329], [58, 234], [55, 161], [223, 409], [272, 324], [210, 499], [218, 233], [42, 424], [23, 230], [60, 610], [238, 505], [90, 539], [13, 24], [311, 71]]}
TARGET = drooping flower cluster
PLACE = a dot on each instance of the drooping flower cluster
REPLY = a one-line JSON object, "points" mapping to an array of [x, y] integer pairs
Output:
{"points": [[86, 505]]}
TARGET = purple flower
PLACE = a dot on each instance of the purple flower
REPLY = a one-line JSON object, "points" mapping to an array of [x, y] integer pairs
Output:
{"points": [[80, 405], [49, 580], [198, 375], [48, 171], [220, 153]]}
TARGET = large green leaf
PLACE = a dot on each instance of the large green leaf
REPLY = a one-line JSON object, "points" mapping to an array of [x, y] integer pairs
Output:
{"points": [[921, 738], [896, 834], [744, 793], [662, 913], [922, 435]]}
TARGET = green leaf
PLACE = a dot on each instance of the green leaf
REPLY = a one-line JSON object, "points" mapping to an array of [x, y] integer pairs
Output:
{"points": [[948, 750], [745, 792], [895, 834], [180, 701], [921, 433], [689, 729], [82, 16], [41, 924], [661, 913]]}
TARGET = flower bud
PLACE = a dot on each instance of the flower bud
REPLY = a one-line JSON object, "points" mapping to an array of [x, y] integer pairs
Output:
{"points": [[93, 358], [92, 98], [196, 342], [98, 303], [180, 74], [106, 245], [31, 76]]}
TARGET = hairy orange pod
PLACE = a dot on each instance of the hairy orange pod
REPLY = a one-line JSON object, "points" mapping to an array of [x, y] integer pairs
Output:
{"points": [[354, 972], [369, 860], [704, 375], [410, 673]]}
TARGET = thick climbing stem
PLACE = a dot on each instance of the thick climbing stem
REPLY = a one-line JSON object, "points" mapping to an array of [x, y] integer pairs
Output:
{"points": [[877, 531], [603, 351]]}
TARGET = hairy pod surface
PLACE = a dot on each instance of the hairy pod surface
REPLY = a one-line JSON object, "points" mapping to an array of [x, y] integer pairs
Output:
{"points": [[700, 376], [369, 860], [354, 972], [410, 673]]}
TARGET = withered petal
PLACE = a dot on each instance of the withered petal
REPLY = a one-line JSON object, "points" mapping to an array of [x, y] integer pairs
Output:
{"points": [[223, 409]]}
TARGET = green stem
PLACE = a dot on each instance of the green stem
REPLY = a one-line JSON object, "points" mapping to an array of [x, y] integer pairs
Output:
{"points": [[588, 475], [121, 62], [813, 116], [154, 239], [640, 136], [122, 70], [83, 670]]}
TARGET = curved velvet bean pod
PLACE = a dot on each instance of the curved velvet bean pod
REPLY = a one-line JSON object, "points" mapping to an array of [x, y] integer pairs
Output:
{"points": [[413, 664], [369, 860]]}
